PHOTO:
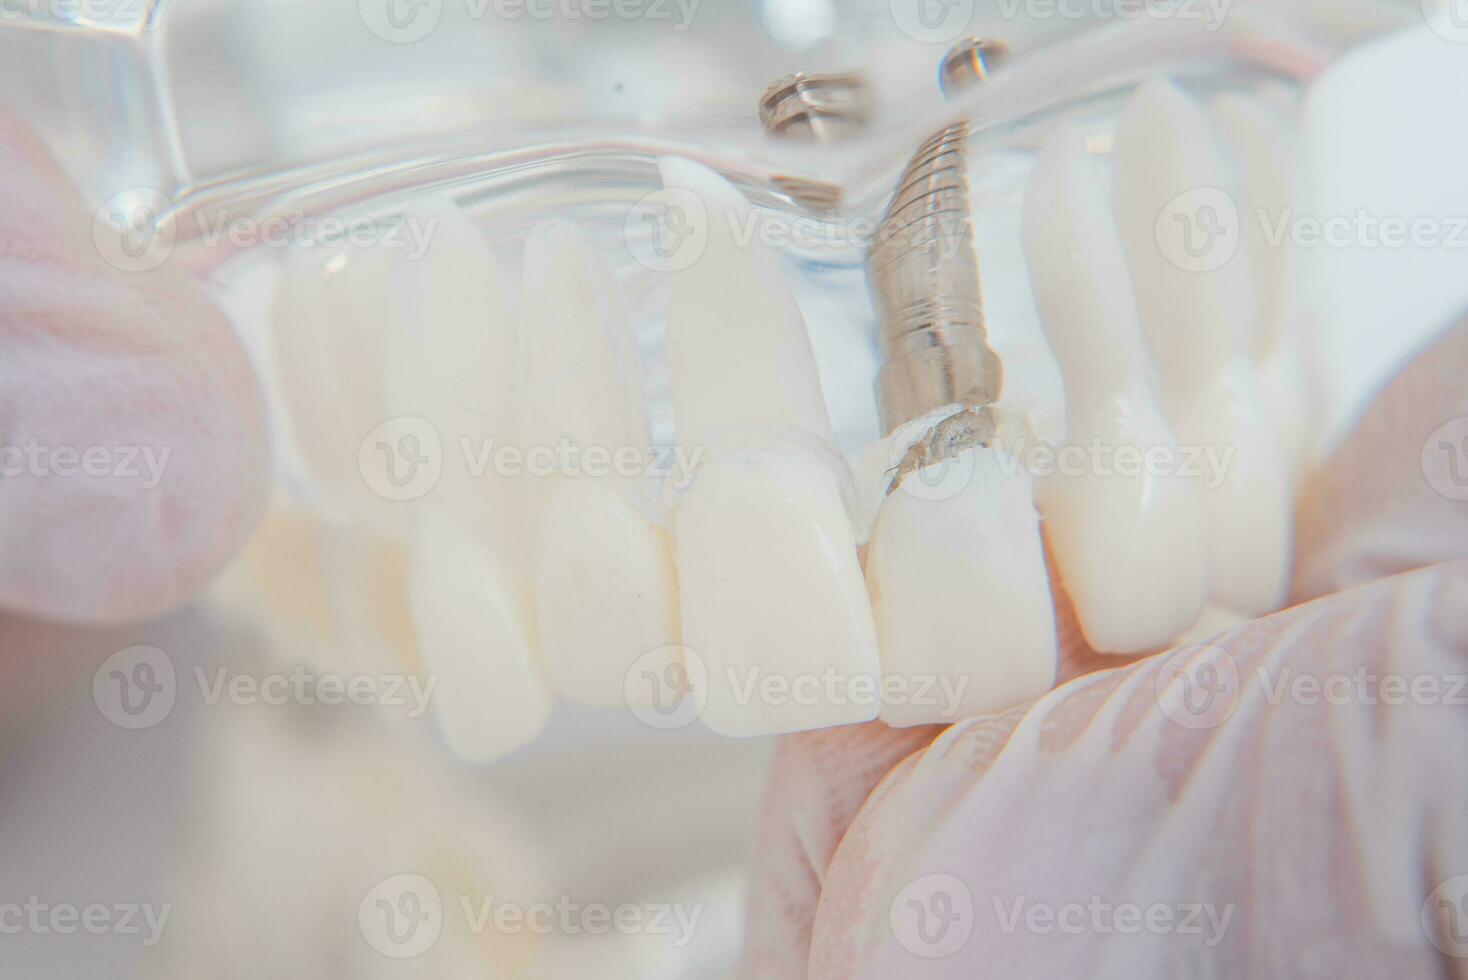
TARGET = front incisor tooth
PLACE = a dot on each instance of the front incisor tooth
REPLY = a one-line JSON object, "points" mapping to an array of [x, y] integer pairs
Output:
{"points": [[1169, 176], [956, 573], [1129, 548], [606, 591], [771, 592]]}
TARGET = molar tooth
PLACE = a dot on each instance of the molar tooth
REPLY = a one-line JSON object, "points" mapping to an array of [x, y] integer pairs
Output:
{"points": [[1129, 549], [769, 580], [1195, 323], [606, 587]]}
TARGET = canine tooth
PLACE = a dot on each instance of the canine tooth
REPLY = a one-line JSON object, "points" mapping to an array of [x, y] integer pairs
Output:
{"points": [[475, 628], [960, 593], [1129, 548], [770, 588], [606, 590], [1261, 143], [1194, 322]]}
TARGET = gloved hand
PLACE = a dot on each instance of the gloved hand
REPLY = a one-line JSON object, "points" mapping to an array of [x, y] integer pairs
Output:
{"points": [[133, 457], [1284, 802]]}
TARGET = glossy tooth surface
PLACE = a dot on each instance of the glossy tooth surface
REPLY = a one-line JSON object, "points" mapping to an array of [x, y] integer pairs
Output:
{"points": [[770, 587], [1196, 324], [474, 624], [960, 594], [1128, 547], [606, 587], [1256, 136]]}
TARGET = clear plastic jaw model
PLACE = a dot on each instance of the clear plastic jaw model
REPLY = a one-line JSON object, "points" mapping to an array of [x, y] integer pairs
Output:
{"points": [[778, 415]]}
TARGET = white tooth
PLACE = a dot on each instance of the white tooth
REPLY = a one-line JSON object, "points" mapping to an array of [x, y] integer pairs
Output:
{"points": [[475, 628], [451, 362], [769, 583], [453, 365], [1196, 325], [742, 356], [956, 573], [1129, 548], [606, 589], [330, 320], [1259, 140]]}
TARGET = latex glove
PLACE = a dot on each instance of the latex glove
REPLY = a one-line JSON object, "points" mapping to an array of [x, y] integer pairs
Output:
{"points": [[143, 371], [1320, 829]]}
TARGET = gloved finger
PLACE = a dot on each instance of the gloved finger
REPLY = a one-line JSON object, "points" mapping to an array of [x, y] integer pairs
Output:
{"points": [[1421, 399], [133, 454], [1271, 806], [1394, 497]]}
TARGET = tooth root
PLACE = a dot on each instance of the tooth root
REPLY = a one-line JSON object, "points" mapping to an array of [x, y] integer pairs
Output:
{"points": [[1195, 323], [770, 587], [960, 594], [475, 629], [1257, 136], [606, 588], [1129, 549], [451, 362], [742, 357]]}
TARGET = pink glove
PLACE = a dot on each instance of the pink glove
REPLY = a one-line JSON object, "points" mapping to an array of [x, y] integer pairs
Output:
{"points": [[1209, 812], [133, 461]]}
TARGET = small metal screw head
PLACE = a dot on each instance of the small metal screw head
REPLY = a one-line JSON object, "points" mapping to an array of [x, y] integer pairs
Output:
{"points": [[971, 61], [812, 106]]}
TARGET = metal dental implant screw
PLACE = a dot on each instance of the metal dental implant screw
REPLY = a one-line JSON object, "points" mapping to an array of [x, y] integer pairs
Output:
{"points": [[814, 106], [923, 273]]}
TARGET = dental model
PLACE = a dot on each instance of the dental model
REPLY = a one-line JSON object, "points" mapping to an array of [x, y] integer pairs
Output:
{"points": [[773, 603], [1194, 301], [606, 588], [955, 566], [437, 351], [1129, 547]]}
